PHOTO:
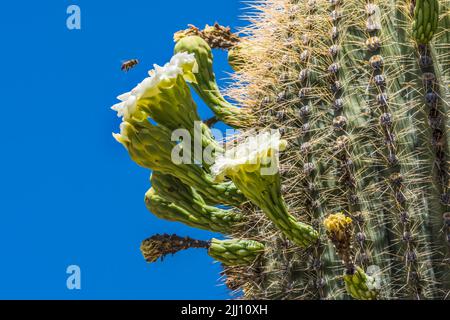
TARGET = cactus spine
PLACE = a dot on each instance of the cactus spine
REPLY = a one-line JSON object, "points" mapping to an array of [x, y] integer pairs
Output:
{"points": [[358, 92]]}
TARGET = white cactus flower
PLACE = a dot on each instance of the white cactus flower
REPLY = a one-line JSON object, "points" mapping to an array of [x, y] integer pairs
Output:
{"points": [[122, 137], [248, 156], [372, 283], [181, 64]]}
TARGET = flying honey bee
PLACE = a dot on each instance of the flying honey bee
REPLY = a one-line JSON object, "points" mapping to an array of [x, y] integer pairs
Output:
{"points": [[127, 65]]}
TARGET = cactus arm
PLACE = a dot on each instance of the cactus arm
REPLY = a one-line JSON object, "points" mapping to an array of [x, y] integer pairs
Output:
{"points": [[440, 228], [349, 125], [206, 86]]}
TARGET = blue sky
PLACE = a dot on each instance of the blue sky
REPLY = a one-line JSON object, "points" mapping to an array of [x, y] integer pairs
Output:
{"points": [[69, 193]]}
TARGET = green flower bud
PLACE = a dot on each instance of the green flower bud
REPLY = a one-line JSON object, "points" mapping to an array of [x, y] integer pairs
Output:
{"points": [[172, 200], [361, 286]]}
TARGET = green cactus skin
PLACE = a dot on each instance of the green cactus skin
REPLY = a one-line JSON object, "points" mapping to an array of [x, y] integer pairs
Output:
{"points": [[393, 162], [316, 166], [206, 85], [235, 252], [426, 18], [264, 191], [172, 200], [360, 89]]}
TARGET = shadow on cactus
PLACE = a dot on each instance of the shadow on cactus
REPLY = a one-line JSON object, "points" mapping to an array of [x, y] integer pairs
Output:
{"points": [[337, 185]]}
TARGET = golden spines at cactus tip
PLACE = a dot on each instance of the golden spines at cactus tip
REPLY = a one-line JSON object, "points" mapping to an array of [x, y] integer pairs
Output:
{"points": [[426, 18], [339, 227]]}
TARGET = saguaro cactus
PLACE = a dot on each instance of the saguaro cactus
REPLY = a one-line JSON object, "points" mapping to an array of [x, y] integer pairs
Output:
{"points": [[357, 95]]}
